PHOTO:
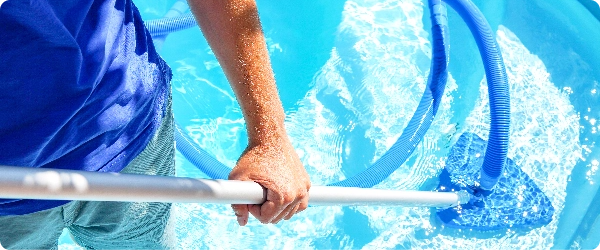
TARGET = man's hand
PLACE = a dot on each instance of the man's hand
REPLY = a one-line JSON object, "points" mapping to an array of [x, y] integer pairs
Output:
{"points": [[233, 30], [276, 167]]}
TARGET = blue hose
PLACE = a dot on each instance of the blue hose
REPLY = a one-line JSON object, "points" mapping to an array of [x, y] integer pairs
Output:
{"points": [[164, 26], [423, 116], [200, 158], [497, 148], [420, 122]]}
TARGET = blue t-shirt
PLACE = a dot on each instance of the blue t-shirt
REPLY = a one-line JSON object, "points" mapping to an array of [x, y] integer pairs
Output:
{"points": [[81, 87]]}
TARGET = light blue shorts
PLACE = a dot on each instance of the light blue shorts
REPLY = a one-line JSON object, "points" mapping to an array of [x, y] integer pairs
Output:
{"points": [[103, 225]]}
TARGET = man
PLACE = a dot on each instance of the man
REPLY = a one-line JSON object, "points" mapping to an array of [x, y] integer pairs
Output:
{"points": [[81, 87]]}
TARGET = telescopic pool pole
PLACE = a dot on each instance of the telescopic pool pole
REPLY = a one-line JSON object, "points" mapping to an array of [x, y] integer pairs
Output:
{"points": [[56, 184]]}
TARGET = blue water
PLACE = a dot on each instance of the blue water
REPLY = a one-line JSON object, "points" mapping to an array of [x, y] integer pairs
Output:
{"points": [[351, 73]]}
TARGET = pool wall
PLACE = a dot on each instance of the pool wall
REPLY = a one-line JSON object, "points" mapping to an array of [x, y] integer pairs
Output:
{"points": [[592, 6]]}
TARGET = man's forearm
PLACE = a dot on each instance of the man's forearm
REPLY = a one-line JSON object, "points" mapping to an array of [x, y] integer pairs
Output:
{"points": [[233, 30]]}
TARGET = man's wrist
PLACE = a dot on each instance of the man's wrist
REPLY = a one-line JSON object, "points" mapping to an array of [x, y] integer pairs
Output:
{"points": [[267, 134]]}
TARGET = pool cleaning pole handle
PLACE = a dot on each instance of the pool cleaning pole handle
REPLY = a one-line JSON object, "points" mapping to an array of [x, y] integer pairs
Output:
{"points": [[56, 184]]}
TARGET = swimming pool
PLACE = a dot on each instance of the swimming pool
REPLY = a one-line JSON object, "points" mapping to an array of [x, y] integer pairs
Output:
{"points": [[350, 75]]}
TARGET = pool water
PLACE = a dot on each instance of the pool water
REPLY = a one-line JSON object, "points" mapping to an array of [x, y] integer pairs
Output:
{"points": [[351, 73]]}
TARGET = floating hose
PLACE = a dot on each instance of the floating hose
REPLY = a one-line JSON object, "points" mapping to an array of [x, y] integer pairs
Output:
{"points": [[420, 122]]}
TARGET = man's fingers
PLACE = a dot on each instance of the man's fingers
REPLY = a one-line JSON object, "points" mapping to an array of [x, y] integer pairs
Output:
{"points": [[269, 212], [254, 210], [300, 206], [241, 212], [303, 204], [292, 212], [274, 209], [266, 212], [273, 213], [288, 210]]}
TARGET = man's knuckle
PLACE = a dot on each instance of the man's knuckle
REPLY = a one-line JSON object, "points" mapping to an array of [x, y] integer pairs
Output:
{"points": [[287, 199], [302, 195]]}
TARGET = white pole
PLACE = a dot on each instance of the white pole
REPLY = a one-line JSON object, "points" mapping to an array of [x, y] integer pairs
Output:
{"points": [[55, 184]]}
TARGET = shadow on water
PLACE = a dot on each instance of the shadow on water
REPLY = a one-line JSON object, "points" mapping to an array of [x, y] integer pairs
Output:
{"points": [[441, 229], [356, 150], [305, 33], [354, 231], [356, 225]]}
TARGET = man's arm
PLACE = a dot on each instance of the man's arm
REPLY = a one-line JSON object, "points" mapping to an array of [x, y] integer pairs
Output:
{"points": [[233, 30]]}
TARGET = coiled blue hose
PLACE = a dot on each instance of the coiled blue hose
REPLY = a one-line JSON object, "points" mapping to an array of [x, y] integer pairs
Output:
{"points": [[420, 122]]}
